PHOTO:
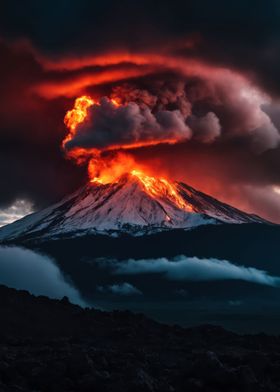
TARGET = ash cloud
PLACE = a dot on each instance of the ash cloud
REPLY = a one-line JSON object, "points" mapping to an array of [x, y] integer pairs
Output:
{"points": [[183, 268], [206, 128], [239, 106], [206, 111], [108, 126]]}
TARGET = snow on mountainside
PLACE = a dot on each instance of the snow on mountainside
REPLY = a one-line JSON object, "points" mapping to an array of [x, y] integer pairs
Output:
{"points": [[126, 205]]}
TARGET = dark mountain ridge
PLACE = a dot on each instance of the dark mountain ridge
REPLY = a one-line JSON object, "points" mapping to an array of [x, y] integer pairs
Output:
{"points": [[51, 345]]}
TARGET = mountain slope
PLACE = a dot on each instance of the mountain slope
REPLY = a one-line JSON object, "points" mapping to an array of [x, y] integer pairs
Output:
{"points": [[134, 204]]}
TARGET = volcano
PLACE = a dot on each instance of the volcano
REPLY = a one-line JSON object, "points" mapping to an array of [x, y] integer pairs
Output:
{"points": [[134, 203]]}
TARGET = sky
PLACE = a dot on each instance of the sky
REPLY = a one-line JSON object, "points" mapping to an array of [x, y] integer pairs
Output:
{"points": [[203, 73]]}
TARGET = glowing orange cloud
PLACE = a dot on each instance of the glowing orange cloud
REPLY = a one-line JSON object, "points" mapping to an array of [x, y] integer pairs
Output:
{"points": [[156, 61], [114, 57], [77, 84], [70, 76], [77, 115]]}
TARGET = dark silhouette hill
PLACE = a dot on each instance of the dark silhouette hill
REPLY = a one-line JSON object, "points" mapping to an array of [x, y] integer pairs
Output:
{"points": [[52, 345]]}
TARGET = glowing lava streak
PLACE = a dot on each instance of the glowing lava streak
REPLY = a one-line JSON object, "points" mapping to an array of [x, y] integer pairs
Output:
{"points": [[160, 187]]}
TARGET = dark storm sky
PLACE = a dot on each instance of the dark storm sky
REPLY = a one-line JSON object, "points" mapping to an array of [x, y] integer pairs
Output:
{"points": [[224, 57]]}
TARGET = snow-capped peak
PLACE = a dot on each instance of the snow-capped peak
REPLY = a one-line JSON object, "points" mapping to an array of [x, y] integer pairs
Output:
{"points": [[134, 203]]}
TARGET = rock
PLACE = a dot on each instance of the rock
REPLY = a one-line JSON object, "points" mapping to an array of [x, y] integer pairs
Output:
{"points": [[194, 385], [67, 349], [259, 362], [78, 364], [208, 368], [246, 379], [65, 300], [142, 382]]}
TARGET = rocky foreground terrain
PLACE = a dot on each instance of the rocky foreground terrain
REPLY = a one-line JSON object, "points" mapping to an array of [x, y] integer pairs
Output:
{"points": [[51, 345]]}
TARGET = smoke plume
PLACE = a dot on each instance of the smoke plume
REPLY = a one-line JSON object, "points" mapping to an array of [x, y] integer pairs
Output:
{"points": [[108, 126]]}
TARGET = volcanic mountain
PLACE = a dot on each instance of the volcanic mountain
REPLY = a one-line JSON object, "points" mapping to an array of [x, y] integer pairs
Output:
{"points": [[134, 203]]}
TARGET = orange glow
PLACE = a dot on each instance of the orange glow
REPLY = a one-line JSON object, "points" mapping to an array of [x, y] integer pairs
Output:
{"points": [[115, 101], [115, 57], [77, 115], [125, 66], [107, 170], [158, 187], [144, 143], [77, 84]]}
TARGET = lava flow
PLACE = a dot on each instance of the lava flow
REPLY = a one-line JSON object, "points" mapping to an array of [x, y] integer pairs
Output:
{"points": [[160, 187], [108, 169]]}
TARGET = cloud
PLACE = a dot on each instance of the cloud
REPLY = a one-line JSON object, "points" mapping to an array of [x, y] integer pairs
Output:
{"points": [[109, 126], [206, 128], [125, 289], [26, 270], [17, 210], [157, 94], [239, 106], [184, 268], [235, 302]]}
